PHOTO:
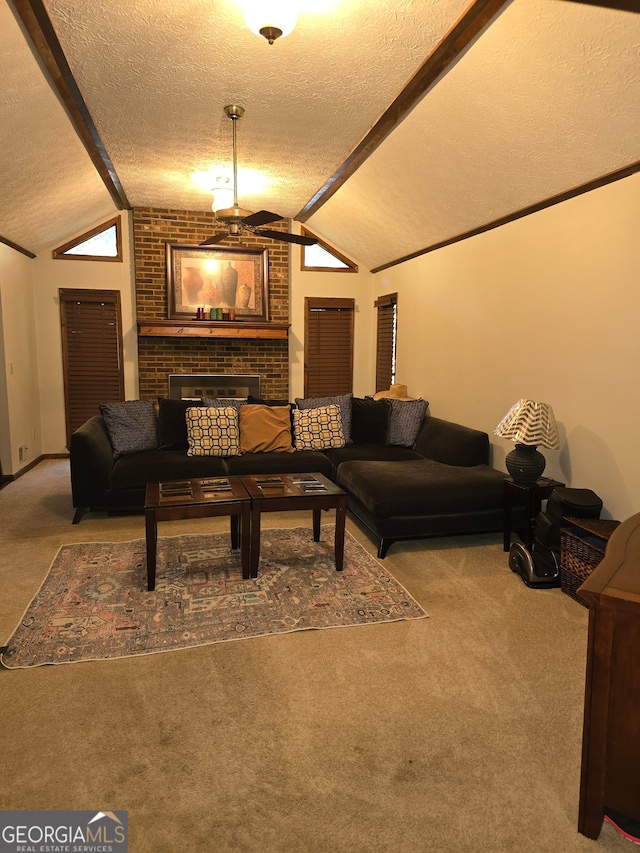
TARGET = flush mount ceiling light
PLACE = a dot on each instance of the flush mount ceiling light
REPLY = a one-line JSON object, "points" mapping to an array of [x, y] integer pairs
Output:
{"points": [[272, 19]]}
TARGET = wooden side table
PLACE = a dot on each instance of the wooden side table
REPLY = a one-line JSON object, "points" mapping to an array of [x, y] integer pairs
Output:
{"points": [[284, 492], [205, 497], [529, 494]]}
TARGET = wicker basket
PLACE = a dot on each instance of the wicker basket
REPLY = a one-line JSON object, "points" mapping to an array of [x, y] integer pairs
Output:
{"points": [[582, 547]]}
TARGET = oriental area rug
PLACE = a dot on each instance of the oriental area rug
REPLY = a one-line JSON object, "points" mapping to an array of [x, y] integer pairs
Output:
{"points": [[94, 604]]}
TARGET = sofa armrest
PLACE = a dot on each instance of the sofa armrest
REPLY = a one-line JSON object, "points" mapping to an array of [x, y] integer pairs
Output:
{"points": [[452, 444], [91, 457]]}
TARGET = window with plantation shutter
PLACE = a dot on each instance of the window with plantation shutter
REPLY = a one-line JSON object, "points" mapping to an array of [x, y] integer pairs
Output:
{"points": [[387, 306], [328, 346], [91, 352]]}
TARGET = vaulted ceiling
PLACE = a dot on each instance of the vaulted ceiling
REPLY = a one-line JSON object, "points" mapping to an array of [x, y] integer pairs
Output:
{"points": [[389, 128]]}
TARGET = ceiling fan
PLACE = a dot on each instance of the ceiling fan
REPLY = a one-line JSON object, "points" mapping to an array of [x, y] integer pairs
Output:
{"points": [[236, 218]]}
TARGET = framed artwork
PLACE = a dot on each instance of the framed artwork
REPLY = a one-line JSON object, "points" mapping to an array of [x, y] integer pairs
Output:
{"points": [[209, 277]]}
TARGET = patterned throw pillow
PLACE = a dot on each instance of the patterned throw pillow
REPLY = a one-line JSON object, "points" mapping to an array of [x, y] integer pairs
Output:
{"points": [[212, 432], [132, 426], [406, 419], [317, 429], [343, 402]]}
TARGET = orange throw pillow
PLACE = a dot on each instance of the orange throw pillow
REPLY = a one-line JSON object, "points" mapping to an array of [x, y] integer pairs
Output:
{"points": [[265, 428]]}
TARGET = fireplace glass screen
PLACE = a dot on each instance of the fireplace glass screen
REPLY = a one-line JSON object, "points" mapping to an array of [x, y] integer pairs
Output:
{"points": [[193, 386]]}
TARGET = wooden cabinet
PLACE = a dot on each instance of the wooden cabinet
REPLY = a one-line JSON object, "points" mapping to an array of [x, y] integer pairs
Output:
{"points": [[610, 776]]}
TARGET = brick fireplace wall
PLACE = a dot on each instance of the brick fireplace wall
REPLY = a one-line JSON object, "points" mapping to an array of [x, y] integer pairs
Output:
{"points": [[159, 356]]}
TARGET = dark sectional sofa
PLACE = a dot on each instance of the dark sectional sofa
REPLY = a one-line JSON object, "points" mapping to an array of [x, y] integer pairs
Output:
{"points": [[441, 485]]}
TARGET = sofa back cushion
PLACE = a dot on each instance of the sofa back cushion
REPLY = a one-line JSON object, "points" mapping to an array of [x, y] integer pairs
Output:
{"points": [[265, 429], [258, 401], [370, 421], [223, 402], [453, 444], [172, 424], [212, 432]]}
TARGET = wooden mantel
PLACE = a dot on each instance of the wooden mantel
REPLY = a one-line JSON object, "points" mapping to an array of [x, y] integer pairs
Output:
{"points": [[212, 329]]}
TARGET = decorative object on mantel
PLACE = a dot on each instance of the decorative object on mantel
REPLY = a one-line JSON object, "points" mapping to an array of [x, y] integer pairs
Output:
{"points": [[529, 424], [236, 218], [201, 278], [93, 604]]}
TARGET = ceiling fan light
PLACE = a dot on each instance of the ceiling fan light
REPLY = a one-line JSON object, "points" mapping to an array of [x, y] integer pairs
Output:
{"points": [[222, 196], [272, 19]]}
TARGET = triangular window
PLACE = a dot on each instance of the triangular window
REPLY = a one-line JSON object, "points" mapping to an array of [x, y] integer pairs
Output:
{"points": [[102, 243], [324, 258]]}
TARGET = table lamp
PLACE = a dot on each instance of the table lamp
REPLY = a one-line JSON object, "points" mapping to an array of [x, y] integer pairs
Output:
{"points": [[529, 424]]}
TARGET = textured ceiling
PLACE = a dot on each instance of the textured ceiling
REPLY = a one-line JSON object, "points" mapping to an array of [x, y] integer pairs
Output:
{"points": [[545, 99], [48, 185]]}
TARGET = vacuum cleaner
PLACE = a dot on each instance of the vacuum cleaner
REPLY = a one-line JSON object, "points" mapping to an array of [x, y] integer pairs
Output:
{"points": [[540, 566]]}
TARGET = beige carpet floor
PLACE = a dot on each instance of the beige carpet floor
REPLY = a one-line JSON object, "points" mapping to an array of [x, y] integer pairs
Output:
{"points": [[461, 732]]}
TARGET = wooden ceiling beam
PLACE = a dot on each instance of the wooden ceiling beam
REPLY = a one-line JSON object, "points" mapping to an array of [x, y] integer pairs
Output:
{"points": [[622, 5], [17, 248], [477, 16], [39, 29]]}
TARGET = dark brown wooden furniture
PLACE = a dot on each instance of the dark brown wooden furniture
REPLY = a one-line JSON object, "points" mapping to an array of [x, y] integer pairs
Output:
{"points": [[531, 495], [283, 492], [200, 498], [610, 777], [583, 542]]}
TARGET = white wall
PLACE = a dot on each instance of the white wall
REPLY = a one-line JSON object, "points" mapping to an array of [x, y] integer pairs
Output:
{"points": [[50, 275], [19, 400], [344, 285], [548, 308]]}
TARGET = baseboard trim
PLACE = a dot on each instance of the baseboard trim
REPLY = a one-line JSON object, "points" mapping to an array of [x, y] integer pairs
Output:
{"points": [[9, 478]]}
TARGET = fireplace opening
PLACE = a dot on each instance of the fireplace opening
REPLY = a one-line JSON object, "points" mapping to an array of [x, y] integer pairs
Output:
{"points": [[193, 386]]}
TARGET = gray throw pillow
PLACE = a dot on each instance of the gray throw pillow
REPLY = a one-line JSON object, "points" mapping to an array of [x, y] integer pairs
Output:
{"points": [[343, 402], [132, 426], [225, 402], [406, 418]]}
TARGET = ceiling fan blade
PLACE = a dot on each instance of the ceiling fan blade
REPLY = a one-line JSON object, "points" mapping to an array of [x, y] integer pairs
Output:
{"points": [[261, 218], [215, 239], [288, 238]]}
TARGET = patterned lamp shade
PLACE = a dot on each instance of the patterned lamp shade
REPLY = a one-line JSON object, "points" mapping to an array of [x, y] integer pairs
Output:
{"points": [[528, 424]]}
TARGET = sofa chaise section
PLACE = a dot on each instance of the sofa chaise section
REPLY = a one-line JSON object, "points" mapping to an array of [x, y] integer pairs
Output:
{"points": [[450, 488]]}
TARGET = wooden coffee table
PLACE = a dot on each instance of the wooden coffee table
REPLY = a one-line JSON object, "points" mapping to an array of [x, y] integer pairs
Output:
{"points": [[199, 498], [282, 492]]}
